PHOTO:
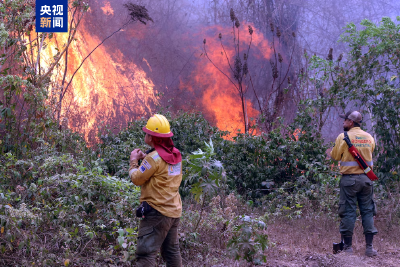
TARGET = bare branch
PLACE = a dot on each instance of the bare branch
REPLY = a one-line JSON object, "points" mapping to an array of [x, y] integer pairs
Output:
{"points": [[62, 53], [254, 90], [290, 63], [205, 52], [83, 61], [38, 53], [229, 63]]}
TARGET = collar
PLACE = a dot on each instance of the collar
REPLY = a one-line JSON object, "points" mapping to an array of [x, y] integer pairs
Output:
{"points": [[354, 129], [150, 150]]}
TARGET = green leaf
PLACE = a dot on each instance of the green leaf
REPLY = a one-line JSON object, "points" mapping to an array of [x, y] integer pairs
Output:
{"points": [[120, 240], [129, 230], [121, 232]]}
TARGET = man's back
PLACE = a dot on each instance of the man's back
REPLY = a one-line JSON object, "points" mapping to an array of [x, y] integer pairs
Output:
{"points": [[160, 183], [365, 145]]}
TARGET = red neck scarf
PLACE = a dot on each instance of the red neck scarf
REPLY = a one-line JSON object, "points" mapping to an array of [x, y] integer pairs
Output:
{"points": [[166, 149]]}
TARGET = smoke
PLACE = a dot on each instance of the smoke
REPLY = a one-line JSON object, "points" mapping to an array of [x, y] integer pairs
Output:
{"points": [[125, 77]]}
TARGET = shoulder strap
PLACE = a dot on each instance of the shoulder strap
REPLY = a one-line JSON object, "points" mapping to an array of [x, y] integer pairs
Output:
{"points": [[150, 150], [347, 139]]}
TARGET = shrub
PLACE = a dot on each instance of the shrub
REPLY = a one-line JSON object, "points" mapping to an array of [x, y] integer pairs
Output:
{"points": [[190, 130], [55, 207], [290, 154]]}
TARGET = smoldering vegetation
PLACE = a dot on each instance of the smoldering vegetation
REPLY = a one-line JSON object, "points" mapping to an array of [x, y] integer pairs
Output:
{"points": [[72, 108], [171, 52]]}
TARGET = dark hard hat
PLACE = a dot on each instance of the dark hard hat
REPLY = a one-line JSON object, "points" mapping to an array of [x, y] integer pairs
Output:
{"points": [[352, 115]]}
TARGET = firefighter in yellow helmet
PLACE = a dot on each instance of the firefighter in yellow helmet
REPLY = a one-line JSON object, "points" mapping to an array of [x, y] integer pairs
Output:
{"points": [[159, 177]]}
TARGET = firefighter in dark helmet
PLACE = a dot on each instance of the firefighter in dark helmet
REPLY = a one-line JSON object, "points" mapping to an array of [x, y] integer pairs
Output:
{"points": [[355, 186]]}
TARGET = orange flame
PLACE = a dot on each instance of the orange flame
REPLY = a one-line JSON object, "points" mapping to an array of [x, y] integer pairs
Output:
{"points": [[109, 86], [297, 133], [220, 98], [107, 9], [106, 87]]}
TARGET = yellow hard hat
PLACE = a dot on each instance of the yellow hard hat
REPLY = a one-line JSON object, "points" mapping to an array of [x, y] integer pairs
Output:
{"points": [[158, 126]]}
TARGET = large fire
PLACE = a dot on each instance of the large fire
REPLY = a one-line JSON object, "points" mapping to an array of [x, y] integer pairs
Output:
{"points": [[220, 97], [109, 87]]}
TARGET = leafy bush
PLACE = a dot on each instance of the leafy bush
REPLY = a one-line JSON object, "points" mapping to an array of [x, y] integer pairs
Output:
{"points": [[247, 242], [256, 164], [54, 208], [368, 80], [29, 100], [374, 69], [203, 175], [220, 227], [253, 164], [190, 130]]}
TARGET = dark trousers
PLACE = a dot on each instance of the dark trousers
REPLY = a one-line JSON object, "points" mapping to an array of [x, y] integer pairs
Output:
{"points": [[157, 231], [356, 188]]}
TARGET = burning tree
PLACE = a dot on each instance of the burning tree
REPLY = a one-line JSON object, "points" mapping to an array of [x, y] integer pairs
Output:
{"points": [[279, 86], [35, 70], [27, 94], [274, 79], [136, 13], [239, 68]]}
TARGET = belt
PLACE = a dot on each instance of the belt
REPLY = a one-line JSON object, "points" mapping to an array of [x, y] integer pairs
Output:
{"points": [[354, 163]]}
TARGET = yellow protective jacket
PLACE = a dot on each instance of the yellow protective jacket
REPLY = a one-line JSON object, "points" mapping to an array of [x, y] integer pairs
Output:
{"points": [[159, 183], [365, 145]]}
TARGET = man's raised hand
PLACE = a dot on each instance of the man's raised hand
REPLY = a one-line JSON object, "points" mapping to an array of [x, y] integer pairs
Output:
{"points": [[137, 154]]}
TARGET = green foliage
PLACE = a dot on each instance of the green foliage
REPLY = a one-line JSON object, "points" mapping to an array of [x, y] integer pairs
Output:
{"points": [[116, 148], [72, 201], [256, 164], [224, 230], [369, 79], [253, 164], [190, 130], [20, 136], [247, 241], [375, 69], [28, 98], [18, 133], [203, 174]]}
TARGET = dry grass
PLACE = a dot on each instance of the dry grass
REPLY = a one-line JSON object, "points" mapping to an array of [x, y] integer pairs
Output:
{"points": [[308, 242], [305, 241]]}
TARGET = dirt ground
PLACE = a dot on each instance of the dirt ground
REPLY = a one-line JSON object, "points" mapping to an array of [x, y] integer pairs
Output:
{"points": [[307, 242], [385, 258]]}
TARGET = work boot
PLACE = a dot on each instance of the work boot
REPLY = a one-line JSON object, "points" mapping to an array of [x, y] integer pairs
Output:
{"points": [[348, 241], [370, 251]]}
